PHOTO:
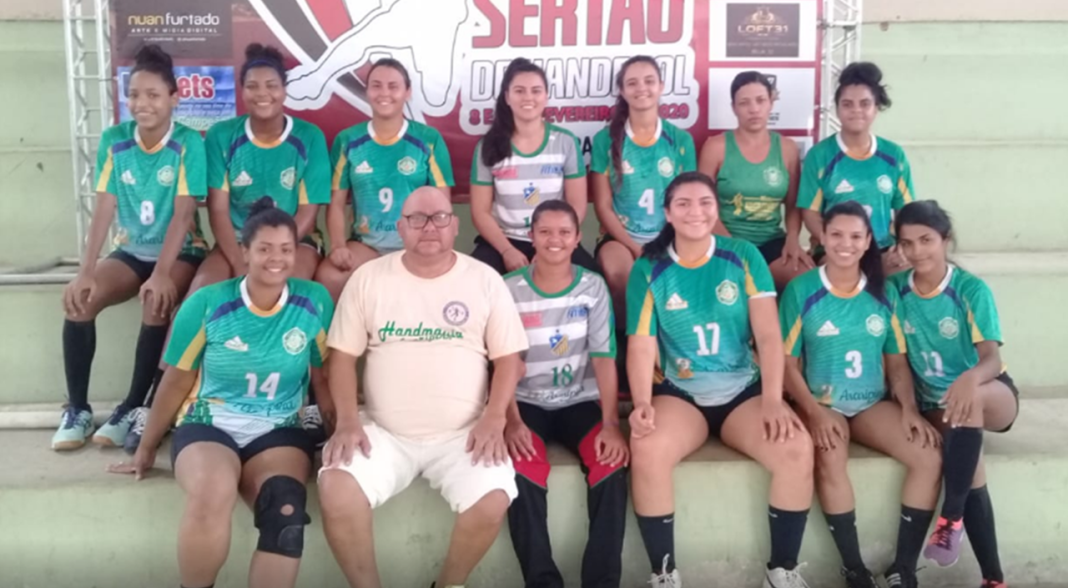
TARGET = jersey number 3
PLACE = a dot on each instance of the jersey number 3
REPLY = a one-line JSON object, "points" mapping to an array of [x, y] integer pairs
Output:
{"points": [[269, 386]]}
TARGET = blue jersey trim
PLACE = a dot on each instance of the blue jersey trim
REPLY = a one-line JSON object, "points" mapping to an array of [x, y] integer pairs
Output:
{"points": [[729, 256], [226, 309], [887, 158], [303, 302], [299, 146], [235, 146], [418, 144], [814, 299], [827, 171], [659, 268], [356, 143], [949, 291], [122, 146], [174, 146]]}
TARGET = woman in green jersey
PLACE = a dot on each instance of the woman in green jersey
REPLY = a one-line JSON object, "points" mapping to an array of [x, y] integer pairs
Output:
{"points": [[695, 304], [263, 153], [633, 160], [239, 360], [954, 336], [841, 327], [854, 164], [379, 163], [150, 174], [757, 173]]}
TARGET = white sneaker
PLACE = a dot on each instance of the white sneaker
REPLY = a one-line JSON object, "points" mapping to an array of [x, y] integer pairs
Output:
{"points": [[784, 578], [664, 579]]}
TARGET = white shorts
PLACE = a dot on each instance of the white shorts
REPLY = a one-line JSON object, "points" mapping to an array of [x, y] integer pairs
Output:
{"points": [[445, 463]]}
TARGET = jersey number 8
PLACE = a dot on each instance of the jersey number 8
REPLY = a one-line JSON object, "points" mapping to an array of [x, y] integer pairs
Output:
{"points": [[269, 387], [148, 212]]}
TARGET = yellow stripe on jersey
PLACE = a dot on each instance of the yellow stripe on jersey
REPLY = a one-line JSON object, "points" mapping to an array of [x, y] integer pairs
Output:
{"points": [[645, 319], [320, 341], [904, 189], [193, 350], [183, 183], [899, 334], [153, 150], [435, 170], [302, 197], [387, 142], [266, 144], [103, 182], [817, 201], [339, 170], [977, 336], [793, 336], [191, 398], [226, 182], [694, 264], [264, 313], [750, 284]]}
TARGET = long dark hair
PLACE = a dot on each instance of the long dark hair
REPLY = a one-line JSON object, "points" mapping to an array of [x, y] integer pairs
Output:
{"points": [[927, 213], [871, 263], [618, 123], [264, 213], [153, 59], [657, 248], [497, 144]]}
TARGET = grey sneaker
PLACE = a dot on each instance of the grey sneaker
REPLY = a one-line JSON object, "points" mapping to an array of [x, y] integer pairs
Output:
{"points": [[900, 578], [664, 579], [75, 426], [113, 432], [139, 416], [944, 545], [784, 578], [312, 422]]}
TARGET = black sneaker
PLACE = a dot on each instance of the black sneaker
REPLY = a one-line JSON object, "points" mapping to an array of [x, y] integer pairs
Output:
{"points": [[861, 578], [137, 430], [897, 577]]}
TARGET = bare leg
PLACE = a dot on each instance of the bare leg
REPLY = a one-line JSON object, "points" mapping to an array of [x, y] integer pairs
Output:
{"points": [[616, 260], [680, 430], [208, 474], [334, 278], [307, 261], [348, 522], [782, 272], [271, 570], [880, 428], [472, 535], [212, 270], [832, 476]]}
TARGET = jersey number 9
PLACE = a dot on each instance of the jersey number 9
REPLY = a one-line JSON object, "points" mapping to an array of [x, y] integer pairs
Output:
{"points": [[269, 387], [385, 196]]}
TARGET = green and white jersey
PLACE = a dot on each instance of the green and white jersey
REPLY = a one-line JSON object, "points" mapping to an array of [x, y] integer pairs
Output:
{"points": [[565, 329], [293, 170], [647, 170], [253, 364], [699, 315], [942, 328], [523, 180], [841, 338], [751, 194], [880, 181], [381, 175], [146, 182]]}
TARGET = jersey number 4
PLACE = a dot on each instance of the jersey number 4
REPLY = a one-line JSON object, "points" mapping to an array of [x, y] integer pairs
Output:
{"points": [[269, 386], [648, 201]]}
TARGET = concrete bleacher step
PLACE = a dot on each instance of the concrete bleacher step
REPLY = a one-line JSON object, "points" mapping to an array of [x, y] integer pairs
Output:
{"points": [[80, 526]]}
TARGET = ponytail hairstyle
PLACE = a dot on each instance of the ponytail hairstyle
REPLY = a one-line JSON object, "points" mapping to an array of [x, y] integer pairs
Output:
{"points": [[871, 263], [153, 59], [657, 248], [751, 77], [391, 63], [617, 124], [497, 144], [257, 55], [927, 213], [864, 73], [264, 213]]}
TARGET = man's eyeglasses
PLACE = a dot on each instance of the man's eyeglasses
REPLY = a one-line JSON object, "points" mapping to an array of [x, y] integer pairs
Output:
{"points": [[418, 220]]}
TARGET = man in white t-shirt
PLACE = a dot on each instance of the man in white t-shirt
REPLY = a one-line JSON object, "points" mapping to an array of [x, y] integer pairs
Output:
{"points": [[427, 319]]}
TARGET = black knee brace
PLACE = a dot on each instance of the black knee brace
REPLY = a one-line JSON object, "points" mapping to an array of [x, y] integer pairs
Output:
{"points": [[279, 532]]}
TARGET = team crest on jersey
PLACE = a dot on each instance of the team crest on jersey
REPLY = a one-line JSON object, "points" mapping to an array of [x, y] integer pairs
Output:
{"points": [[294, 341], [456, 313], [727, 292], [128, 178], [665, 167], [364, 168], [288, 178], [559, 343], [772, 176], [531, 195], [406, 166], [628, 169], [684, 368], [948, 327], [875, 325], [675, 302], [165, 176], [884, 184], [242, 180]]}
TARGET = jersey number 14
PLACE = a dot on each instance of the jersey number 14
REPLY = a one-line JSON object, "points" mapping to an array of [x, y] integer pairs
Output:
{"points": [[269, 386]]}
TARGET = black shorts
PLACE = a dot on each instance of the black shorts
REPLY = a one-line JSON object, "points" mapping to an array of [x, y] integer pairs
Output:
{"points": [[144, 269], [715, 416], [772, 250], [1004, 378], [188, 434]]}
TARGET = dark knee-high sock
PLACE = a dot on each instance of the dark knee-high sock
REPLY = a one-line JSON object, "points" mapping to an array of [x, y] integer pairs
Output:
{"points": [[979, 523], [911, 534], [156, 379], [658, 534], [844, 530], [146, 363], [960, 458], [79, 347], [787, 531]]}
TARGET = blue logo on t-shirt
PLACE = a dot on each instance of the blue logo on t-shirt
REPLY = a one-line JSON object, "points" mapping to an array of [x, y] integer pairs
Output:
{"points": [[552, 169]]}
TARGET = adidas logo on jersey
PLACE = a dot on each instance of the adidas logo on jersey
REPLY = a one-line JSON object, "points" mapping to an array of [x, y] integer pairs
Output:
{"points": [[128, 178], [628, 169], [827, 330], [365, 168], [676, 303], [242, 180], [844, 187], [909, 330], [236, 344]]}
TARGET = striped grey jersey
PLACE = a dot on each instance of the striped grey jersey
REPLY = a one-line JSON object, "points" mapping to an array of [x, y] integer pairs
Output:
{"points": [[523, 180], [564, 330]]}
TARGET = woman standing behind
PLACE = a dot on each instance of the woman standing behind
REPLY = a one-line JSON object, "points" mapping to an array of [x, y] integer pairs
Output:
{"points": [[520, 163], [633, 160], [757, 173], [379, 162]]}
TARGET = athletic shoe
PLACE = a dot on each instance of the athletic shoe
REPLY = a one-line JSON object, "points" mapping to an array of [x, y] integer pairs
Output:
{"points": [[900, 578], [74, 427], [665, 579], [861, 578], [312, 422], [113, 432], [993, 584], [139, 416], [944, 545], [784, 578]]}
